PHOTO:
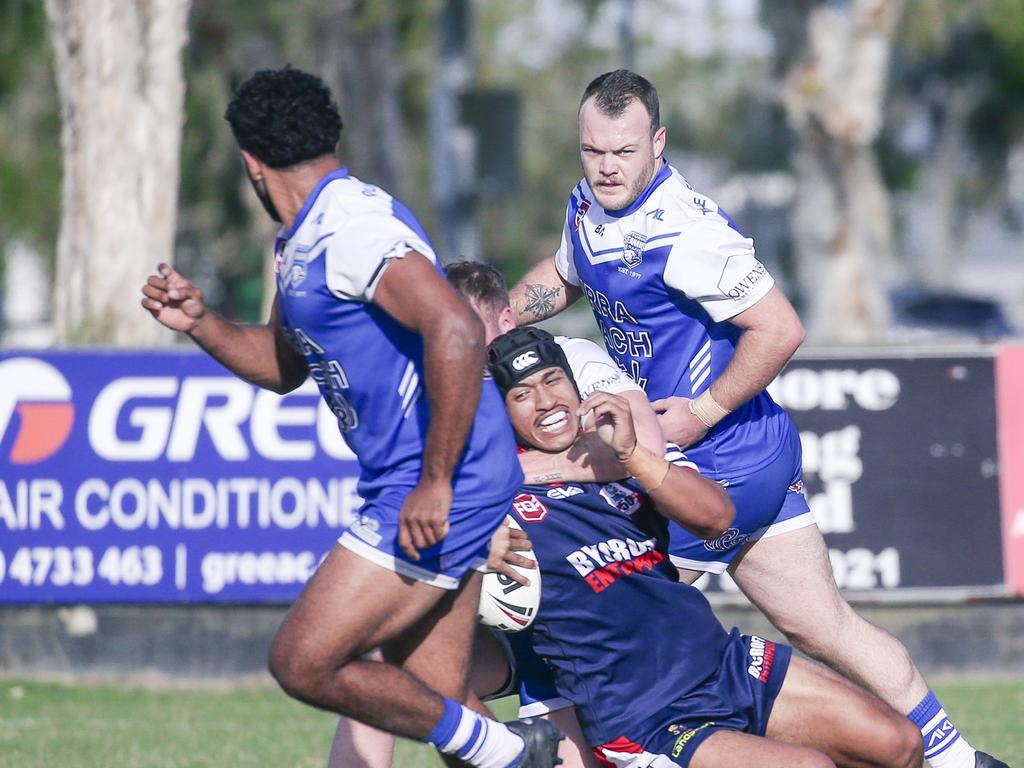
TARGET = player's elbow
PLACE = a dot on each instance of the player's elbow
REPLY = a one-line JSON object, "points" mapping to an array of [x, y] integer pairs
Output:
{"points": [[718, 513], [465, 334], [793, 334], [284, 386]]}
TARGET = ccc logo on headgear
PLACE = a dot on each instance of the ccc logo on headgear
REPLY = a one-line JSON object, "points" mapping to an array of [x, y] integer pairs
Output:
{"points": [[524, 360], [41, 397]]}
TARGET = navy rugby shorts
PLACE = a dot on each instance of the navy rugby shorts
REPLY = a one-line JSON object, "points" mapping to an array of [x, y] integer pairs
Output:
{"points": [[739, 697]]}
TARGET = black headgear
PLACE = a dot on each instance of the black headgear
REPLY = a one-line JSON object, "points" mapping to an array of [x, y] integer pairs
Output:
{"points": [[521, 352]]}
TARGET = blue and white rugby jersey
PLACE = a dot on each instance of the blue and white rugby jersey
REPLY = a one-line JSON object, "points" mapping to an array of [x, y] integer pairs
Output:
{"points": [[662, 277], [369, 368], [622, 634]]}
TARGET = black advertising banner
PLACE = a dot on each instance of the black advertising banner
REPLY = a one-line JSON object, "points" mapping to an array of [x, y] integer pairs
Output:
{"points": [[900, 469]]}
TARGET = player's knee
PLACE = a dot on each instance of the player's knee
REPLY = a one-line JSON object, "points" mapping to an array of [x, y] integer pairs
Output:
{"points": [[905, 747], [815, 632], [294, 668]]}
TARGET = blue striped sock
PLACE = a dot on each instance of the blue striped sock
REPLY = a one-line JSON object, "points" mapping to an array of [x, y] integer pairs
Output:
{"points": [[944, 747], [475, 739]]}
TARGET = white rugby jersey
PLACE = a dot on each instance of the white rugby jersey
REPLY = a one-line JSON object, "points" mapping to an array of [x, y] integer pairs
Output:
{"points": [[593, 370], [369, 368], [663, 276]]}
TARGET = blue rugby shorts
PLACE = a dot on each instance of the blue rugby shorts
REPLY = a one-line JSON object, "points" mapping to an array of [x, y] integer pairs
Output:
{"points": [[768, 502], [374, 535]]}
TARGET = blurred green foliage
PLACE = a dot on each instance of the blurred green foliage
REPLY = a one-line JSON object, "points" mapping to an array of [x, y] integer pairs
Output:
{"points": [[721, 105]]}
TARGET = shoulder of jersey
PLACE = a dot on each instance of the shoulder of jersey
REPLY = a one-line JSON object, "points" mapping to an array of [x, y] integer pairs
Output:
{"points": [[348, 196], [687, 204]]}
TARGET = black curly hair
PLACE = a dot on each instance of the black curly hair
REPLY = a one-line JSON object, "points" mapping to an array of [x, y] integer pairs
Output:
{"points": [[284, 117]]}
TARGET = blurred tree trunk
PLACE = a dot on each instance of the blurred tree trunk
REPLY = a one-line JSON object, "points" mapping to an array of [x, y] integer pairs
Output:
{"points": [[842, 219], [122, 90], [360, 58], [363, 65]]}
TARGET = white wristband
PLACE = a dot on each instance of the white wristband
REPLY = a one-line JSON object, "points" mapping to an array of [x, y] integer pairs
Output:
{"points": [[707, 409]]}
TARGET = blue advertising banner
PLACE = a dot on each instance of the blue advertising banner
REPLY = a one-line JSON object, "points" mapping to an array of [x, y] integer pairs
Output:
{"points": [[138, 477]]}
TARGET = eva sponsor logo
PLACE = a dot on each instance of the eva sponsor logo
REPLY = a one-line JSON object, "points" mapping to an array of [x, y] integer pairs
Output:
{"points": [[35, 400], [564, 492]]}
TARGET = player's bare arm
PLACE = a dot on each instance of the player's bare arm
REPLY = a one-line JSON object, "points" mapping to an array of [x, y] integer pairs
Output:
{"points": [[417, 296], [590, 459], [772, 332], [696, 503], [542, 293], [257, 353]]}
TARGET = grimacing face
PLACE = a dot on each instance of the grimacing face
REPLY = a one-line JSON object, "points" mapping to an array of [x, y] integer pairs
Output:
{"points": [[542, 409], [620, 156]]}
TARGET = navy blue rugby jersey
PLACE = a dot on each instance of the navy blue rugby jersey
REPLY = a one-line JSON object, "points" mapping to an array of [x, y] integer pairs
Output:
{"points": [[622, 634], [663, 276], [369, 368]]}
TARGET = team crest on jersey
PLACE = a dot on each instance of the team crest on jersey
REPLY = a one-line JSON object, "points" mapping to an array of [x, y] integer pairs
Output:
{"points": [[580, 213], [295, 274], [529, 508], [633, 249], [621, 497]]}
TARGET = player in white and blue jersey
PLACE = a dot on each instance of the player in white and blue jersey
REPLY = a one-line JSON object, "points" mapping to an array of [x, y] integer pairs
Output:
{"points": [[362, 307], [686, 308], [654, 678]]}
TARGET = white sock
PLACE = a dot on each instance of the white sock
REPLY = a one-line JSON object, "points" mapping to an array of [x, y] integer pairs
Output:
{"points": [[944, 747], [475, 739]]}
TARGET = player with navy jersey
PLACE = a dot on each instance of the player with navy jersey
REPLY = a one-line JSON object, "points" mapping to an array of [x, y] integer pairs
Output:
{"points": [[593, 370], [686, 308], [363, 308], [655, 679]]}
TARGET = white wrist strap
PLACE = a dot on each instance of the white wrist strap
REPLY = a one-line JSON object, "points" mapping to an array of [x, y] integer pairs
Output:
{"points": [[707, 409]]}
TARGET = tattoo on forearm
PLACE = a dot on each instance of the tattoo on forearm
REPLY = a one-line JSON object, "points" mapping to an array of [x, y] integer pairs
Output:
{"points": [[540, 300], [554, 477]]}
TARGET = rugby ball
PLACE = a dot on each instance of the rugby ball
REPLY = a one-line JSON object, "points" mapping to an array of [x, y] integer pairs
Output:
{"points": [[506, 604]]}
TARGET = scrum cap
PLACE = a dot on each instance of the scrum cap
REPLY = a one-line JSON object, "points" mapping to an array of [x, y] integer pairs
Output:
{"points": [[521, 352]]}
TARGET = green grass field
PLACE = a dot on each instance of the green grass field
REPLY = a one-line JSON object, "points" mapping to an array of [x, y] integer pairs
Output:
{"points": [[46, 724]]}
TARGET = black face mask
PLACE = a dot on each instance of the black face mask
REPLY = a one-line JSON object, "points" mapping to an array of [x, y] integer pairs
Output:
{"points": [[260, 188]]}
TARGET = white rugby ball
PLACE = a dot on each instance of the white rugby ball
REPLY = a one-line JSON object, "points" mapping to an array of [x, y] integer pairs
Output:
{"points": [[505, 604]]}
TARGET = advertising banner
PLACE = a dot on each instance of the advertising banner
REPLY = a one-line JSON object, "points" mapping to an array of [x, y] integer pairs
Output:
{"points": [[900, 469], [141, 477]]}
